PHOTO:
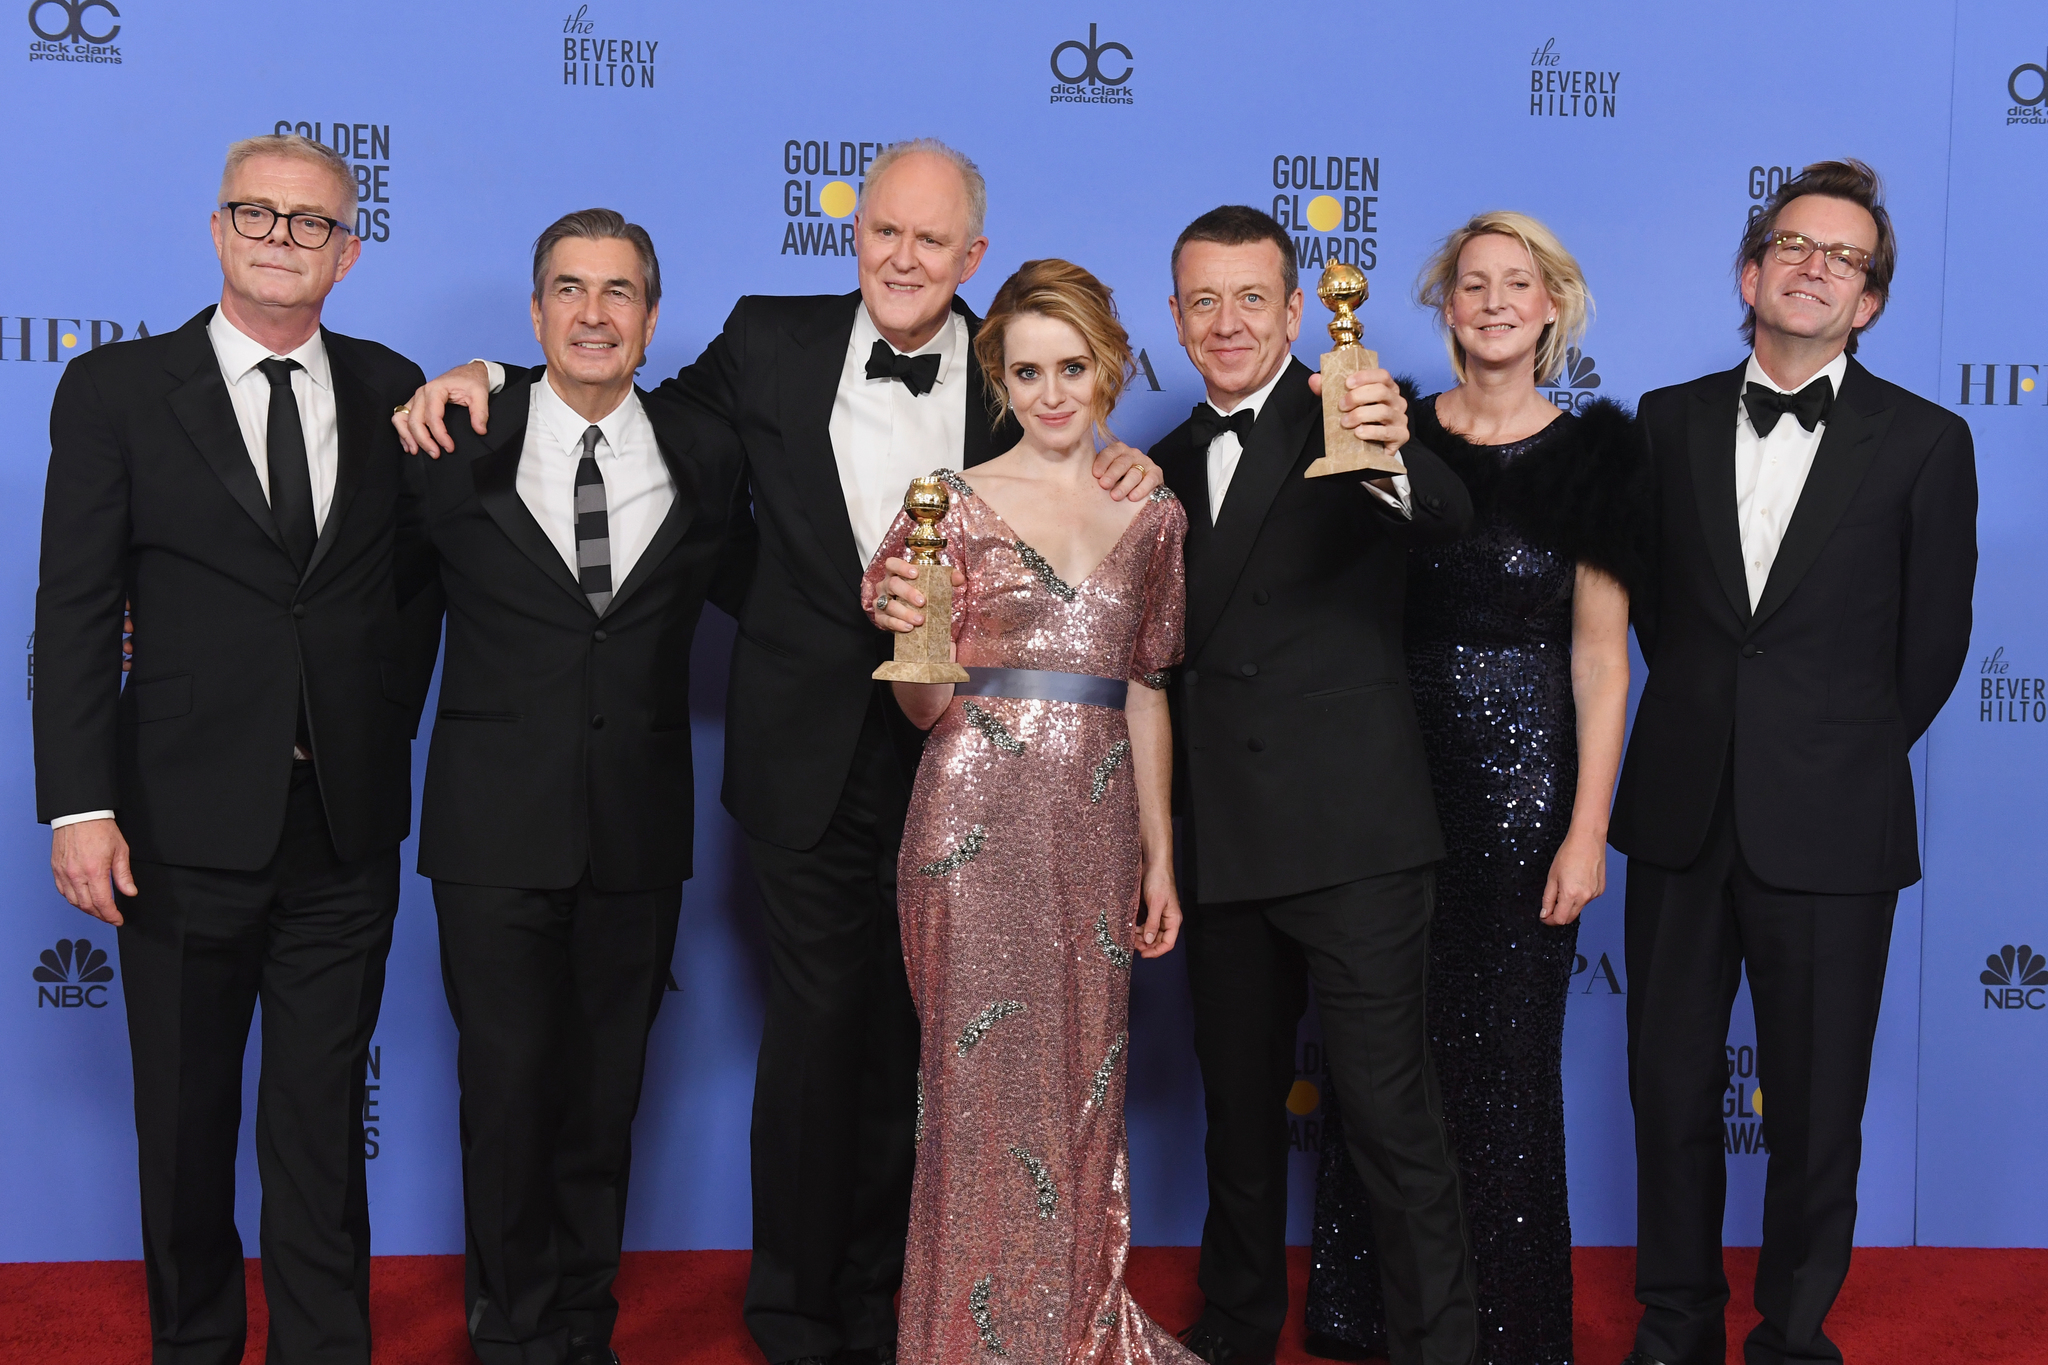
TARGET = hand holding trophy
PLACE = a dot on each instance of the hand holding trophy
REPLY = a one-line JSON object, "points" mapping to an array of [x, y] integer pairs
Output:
{"points": [[924, 653], [1343, 287]]}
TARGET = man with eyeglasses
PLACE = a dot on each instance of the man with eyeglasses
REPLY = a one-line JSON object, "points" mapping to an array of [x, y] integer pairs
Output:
{"points": [[1813, 547], [235, 811]]}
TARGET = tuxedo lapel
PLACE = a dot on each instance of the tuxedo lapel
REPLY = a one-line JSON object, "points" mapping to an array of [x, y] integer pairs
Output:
{"points": [[207, 413], [806, 388], [1847, 448], [672, 436], [1269, 457], [357, 424], [496, 474], [1710, 445]]}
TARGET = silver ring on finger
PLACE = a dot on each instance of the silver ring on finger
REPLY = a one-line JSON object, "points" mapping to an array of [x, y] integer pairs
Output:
{"points": [[881, 604]]}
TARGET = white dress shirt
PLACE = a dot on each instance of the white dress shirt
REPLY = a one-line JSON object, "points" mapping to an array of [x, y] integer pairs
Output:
{"points": [[638, 490], [1225, 450], [883, 435], [1770, 473], [249, 391]]}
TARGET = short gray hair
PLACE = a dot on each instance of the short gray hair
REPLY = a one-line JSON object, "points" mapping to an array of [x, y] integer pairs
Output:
{"points": [[598, 225], [302, 149], [970, 174]]}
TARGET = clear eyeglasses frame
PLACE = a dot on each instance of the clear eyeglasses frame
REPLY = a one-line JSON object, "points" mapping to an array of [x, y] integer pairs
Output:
{"points": [[309, 230], [1844, 261]]}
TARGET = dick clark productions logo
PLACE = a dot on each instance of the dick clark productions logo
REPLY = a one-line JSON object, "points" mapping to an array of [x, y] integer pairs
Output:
{"points": [[74, 31], [72, 974], [2028, 108], [1093, 72]]}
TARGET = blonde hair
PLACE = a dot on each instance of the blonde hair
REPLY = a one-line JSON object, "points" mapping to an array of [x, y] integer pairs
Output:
{"points": [[299, 148], [970, 175], [1562, 280], [1065, 292]]}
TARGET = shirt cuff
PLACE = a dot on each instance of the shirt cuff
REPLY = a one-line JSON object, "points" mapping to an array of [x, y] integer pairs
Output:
{"points": [[80, 818], [492, 370], [1399, 499]]}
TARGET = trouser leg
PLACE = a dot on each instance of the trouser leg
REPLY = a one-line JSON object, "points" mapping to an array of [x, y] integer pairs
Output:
{"points": [[1816, 975], [1684, 952], [1367, 948], [834, 1093], [1249, 989]]}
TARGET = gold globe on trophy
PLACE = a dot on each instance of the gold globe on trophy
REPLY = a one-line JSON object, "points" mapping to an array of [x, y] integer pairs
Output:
{"points": [[1342, 289], [924, 653]]}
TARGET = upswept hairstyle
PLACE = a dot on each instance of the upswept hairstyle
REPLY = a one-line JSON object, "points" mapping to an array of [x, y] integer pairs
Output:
{"points": [[977, 188], [1848, 179], [299, 149], [1064, 291], [1562, 280], [1236, 225], [598, 225]]}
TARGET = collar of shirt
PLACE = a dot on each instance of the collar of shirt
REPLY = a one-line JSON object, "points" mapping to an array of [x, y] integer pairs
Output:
{"points": [[240, 353], [1258, 400], [568, 425], [949, 344], [1833, 372]]}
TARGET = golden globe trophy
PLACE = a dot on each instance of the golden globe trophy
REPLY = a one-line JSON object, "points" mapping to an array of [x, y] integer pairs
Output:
{"points": [[924, 653], [1342, 289]]}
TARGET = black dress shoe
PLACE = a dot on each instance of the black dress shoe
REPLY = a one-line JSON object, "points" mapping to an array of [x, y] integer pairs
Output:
{"points": [[1323, 1346], [866, 1355], [1640, 1358], [584, 1351], [1211, 1345]]}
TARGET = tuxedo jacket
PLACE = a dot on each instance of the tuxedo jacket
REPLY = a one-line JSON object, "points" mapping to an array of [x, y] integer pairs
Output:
{"points": [[1854, 644], [1298, 755], [152, 499], [562, 738], [802, 665]]}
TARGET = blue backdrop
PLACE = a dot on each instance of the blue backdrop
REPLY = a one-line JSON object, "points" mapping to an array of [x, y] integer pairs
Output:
{"points": [[1642, 135]]}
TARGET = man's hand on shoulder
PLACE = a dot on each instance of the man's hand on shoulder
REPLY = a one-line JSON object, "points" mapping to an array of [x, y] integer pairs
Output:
{"points": [[89, 859], [1372, 406], [1126, 473], [419, 422]]}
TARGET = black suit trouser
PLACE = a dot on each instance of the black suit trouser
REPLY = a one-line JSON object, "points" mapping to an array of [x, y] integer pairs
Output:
{"points": [[307, 935], [1816, 968], [553, 993], [1365, 944], [835, 1094]]}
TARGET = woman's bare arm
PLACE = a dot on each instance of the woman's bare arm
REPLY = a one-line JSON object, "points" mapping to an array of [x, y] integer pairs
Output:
{"points": [[1152, 766], [1600, 694]]}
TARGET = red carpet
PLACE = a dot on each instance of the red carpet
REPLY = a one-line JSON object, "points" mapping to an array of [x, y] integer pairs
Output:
{"points": [[1902, 1306]]}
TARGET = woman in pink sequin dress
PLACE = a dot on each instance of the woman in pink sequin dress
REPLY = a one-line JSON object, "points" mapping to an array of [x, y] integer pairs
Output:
{"points": [[1037, 859]]}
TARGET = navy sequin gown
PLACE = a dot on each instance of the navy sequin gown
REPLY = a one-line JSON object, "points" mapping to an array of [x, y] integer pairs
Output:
{"points": [[1489, 634]]}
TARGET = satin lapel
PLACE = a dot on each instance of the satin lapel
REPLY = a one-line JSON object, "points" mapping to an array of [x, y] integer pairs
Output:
{"points": [[1271, 456], [208, 416], [806, 388], [496, 473], [672, 436], [1186, 472], [1847, 449], [1710, 444], [356, 423]]}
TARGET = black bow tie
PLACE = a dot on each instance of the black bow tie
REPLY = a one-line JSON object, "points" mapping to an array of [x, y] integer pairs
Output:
{"points": [[1810, 405], [1207, 424], [918, 372]]}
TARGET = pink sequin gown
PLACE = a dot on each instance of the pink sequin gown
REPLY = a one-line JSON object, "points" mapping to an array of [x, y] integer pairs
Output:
{"points": [[1018, 889]]}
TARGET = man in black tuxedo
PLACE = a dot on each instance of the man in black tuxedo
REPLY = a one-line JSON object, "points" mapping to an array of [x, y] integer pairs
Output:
{"points": [[237, 808], [576, 543], [1813, 551], [1310, 831], [838, 402]]}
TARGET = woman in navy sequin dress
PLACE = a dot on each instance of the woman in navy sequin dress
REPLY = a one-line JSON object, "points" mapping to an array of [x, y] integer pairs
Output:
{"points": [[1518, 658]]}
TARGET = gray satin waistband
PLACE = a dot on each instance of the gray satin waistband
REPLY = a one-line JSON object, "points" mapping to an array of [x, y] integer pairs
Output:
{"points": [[1035, 684]]}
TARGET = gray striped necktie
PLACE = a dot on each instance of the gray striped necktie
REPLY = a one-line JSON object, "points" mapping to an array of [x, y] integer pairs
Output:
{"points": [[593, 535]]}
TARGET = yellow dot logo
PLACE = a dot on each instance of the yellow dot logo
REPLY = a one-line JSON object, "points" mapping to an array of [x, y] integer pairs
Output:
{"points": [[1303, 1099], [2027, 384], [70, 339], [1756, 1101], [1324, 213], [837, 199]]}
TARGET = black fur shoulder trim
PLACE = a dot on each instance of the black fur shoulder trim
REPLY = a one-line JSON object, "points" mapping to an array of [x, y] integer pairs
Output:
{"points": [[1574, 495]]}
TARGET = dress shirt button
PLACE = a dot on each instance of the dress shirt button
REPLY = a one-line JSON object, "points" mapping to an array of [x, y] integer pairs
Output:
{"points": [[1261, 597], [1249, 670], [597, 722], [600, 636], [299, 610], [1257, 746]]}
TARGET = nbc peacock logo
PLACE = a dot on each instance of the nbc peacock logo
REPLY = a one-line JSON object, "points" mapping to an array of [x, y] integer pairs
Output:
{"points": [[73, 974], [2015, 978], [1577, 384]]}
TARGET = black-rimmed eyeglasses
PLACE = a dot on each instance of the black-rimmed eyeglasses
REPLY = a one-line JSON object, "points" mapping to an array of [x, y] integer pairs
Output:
{"points": [[1843, 260], [309, 230]]}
